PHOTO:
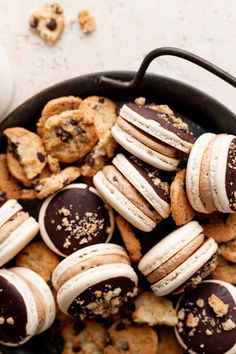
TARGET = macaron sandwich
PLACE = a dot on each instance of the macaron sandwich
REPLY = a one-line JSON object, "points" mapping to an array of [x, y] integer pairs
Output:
{"points": [[154, 137], [180, 260], [211, 174], [134, 189]]}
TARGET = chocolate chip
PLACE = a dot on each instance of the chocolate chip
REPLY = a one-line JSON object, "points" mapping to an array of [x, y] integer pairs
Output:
{"points": [[52, 24], [41, 157], [76, 349], [110, 341], [73, 122], [13, 150], [78, 327], [120, 326], [115, 179], [34, 22], [125, 346], [101, 100], [95, 106], [63, 135], [56, 9], [3, 197], [81, 131]]}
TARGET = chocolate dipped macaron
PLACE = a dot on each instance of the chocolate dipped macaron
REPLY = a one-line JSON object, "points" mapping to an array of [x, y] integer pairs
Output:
{"points": [[154, 137], [207, 319], [180, 260], [94, 281], [74, 218], [17, 229], [134, 189], [27, 306], [211, 174]]}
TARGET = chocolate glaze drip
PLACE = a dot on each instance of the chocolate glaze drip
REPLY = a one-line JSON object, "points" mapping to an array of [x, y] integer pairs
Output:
{"points": [[230, 175], [163, 120], [78, 202], [220, 341], [79, 306], [12, 306], [149, 173]]}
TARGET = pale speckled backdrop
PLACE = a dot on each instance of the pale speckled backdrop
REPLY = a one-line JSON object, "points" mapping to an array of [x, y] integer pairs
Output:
{"points": [[126, 31]]}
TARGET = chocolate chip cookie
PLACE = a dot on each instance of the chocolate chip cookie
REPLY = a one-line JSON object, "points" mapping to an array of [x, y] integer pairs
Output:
{"points": [[9, 186], [69, 136]]}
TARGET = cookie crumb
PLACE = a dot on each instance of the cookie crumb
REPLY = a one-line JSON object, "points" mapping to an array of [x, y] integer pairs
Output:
{"points": [[228, 325], [10, 320], [140, 101], [192, 321], [200, 303], [218, 306], [86, 21], [2, 320], [181, 314], [208, 332]]}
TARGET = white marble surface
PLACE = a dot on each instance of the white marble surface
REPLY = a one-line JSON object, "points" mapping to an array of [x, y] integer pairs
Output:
{"points": [[126, 31]]}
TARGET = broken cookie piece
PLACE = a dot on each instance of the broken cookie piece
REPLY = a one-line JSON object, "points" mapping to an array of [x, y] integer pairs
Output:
{"points": [[48, 21], [86, 21]]}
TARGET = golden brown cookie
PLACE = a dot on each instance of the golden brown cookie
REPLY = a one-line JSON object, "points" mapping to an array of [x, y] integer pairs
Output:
{"points": [[57, 106], [48, 21], [86, 21], [131, 339], [9, 186], [181, 210], [228, 250], [154, 310], [53, 164], [104, 113], [131, 242], [26, 148], [222, 230], [49, 185], [225, 271], [168, 343], [86, 337], [39, 258], [69, 136]]}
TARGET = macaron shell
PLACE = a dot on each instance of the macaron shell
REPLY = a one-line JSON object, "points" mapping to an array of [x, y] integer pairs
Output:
{"points": [[46, 296], [218, 166], [85, 254], [18, 240], [121, 204], [169, 246], [141, 184], [79, 283], [47, 201], [32, 315], [8, 209], [184, 272], [142, 151], [208, 282], [153, 128], [194, 169]]}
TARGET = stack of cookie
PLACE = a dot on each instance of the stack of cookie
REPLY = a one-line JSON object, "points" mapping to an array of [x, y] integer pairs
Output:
{"points": [[110, 255]]}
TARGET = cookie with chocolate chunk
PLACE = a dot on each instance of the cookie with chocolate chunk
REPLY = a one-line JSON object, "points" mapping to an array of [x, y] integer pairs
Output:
{"points": [[48, 21], [88, 337], [57, 106], [69, 136], [131, 339]]}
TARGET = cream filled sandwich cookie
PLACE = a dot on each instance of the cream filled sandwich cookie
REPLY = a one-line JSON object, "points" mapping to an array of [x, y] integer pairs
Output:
{"points": [[27, 306], [74, 218], [17, 229], [95, 281], [180, 260]]}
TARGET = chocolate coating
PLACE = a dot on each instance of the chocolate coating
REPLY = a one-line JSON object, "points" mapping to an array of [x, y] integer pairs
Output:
{"points": [[104, 302], [230, 175], [165, 121], [76, 218], [151, 175], [218, 340], [12, 306]]}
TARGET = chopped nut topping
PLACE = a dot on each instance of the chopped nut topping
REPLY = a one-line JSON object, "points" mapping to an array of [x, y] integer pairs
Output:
{"points": [[228, 325], [208, 332], [140, 101], [10, 320], [192, 321], [218, 306], [181, 314], [200, 303]]}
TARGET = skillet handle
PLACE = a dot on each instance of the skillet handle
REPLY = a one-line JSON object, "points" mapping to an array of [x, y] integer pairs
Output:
{"points": [[180, 53]]}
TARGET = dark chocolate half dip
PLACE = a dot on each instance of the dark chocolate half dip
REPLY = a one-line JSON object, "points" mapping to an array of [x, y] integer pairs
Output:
{"points": [[74, 218]]}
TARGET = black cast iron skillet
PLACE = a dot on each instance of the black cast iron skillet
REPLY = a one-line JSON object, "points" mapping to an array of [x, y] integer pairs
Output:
{"points": [[201, 111]]}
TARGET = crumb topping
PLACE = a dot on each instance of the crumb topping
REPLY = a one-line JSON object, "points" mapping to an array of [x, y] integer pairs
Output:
{"points": [[140, 101], [192, 321], [228, 325], [218, 306]]}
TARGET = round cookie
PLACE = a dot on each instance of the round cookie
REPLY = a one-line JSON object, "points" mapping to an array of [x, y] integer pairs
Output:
{"points": [[180, 260], [74, 218], [221, 229], [27, 306], [69, 136], [225, 271], [27, 149], [39, 258], [207, 319], [57, 106], [131, 339], [94, 281], [9, 186], [87, 337], [17, 229]]}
